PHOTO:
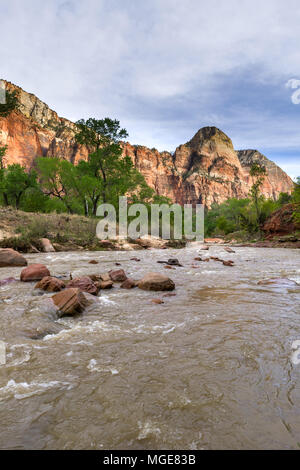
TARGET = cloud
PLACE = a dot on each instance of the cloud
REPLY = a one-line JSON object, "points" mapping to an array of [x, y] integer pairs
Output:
{"points": [[164, 68]]}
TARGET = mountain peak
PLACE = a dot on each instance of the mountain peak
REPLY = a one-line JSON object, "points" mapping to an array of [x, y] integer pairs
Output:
{"points": [[210, 133]]}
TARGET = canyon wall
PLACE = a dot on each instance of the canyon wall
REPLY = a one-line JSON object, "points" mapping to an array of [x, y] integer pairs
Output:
{"points": [[205, 170]]}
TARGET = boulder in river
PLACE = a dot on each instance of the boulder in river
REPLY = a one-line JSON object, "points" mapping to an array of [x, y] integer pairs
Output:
{"points": [[105, 284], [11, 258], [171, 262], [50, 284], [70, 302], [118, 275], [156, 282], [85, 284], [129, 284], [34, 272], [47, 246]]}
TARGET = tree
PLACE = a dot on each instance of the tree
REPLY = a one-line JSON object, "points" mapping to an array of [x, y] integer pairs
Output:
{"points": [[258, 173], [14, 182], [56, 178], [11, 103], [108, 174], [296, 200]]}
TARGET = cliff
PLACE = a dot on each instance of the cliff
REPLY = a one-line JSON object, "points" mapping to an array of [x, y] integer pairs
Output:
{"points": [[206, 169]]}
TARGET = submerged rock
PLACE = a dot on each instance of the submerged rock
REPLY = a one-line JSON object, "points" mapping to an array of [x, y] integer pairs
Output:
{"points": [[277, 281], [34, 272], [156, 282], [70, 302], [9, 280], [10, 257]]}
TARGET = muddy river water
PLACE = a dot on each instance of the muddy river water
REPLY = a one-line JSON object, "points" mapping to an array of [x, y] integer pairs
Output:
{"points": [[211, 368]]}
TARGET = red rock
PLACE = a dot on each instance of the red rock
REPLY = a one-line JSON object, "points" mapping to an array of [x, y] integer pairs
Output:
{"points": [[85, 284], [228, 263], [47, 246], [118, 275], [50, 284], [229, 250], [156, 282], [11, 258], [105, 277], [34, 272], [70, 302], [157, 301], [105, 284], [224, 173], [93, 261], [128, 284], [281, 222]]}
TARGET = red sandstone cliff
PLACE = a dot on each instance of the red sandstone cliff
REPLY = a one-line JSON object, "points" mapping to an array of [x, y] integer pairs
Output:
{"points": [[206, 169]]}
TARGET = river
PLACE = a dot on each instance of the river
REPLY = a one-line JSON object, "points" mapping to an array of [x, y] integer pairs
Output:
{"points": [[211, 368]]}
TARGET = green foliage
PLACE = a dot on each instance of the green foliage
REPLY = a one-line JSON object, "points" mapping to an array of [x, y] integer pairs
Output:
{"points": [[12, 103], [238, 215], [296, 200], [14, 181]]}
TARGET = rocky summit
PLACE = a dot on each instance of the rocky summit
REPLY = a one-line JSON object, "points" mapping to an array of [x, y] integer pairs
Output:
{"points": [[206, 169]]}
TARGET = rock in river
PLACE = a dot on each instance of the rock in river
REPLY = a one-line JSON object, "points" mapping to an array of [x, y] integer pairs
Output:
{"points": [[70, 302], [85, 284], [156, 282], [34, 272], [9, 257], [118, 275], [50, 284]]}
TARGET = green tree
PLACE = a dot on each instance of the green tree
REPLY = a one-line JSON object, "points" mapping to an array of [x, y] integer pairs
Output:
{"points": [[258, 173], [56, 178], [108, 173], [14, 182]]}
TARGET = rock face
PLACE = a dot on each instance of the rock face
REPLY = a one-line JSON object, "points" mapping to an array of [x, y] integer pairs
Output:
{"points": [[10, 257], [205, 170], [276, 181], [281, 222]]}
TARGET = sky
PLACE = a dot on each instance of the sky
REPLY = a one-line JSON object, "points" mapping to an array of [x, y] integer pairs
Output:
{"points": [[164, 68]]}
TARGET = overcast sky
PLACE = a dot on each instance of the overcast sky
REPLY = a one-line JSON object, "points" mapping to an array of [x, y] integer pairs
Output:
{"points": [[164, 68]]}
